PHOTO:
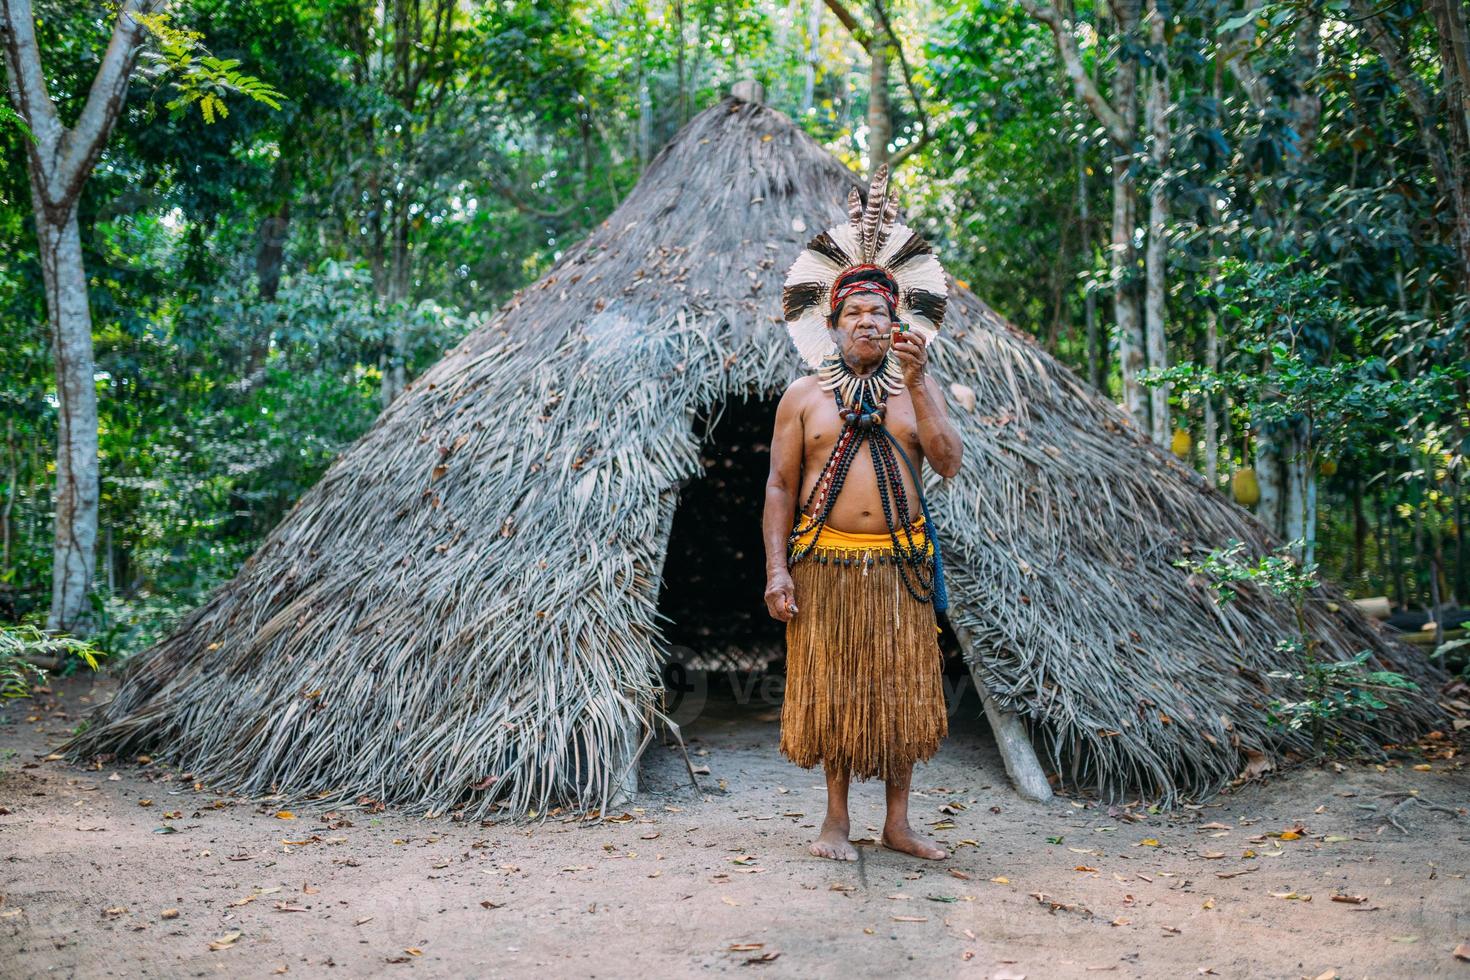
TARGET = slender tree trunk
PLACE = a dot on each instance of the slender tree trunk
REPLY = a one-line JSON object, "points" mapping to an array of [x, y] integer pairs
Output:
{"points": [[645, 124], [1089, 298], [12, 487], [78, 486], [809, 68], [880, 123], [1125, 294], [1268, 477], [1156, 254], [1212, 424], [1359, 557]]}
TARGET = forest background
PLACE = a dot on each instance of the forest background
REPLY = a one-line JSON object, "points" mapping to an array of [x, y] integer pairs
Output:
{"points": [[1249, 223]]}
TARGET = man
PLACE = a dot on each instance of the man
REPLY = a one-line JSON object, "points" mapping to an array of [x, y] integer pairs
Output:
{"points": [[856, 574]]}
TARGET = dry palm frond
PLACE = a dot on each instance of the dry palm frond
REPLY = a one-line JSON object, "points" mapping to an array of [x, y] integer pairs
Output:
{"points": [[462, 612]]}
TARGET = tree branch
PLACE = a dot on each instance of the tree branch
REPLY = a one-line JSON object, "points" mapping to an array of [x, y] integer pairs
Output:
{"points": [[908, 81], [1082, 83], [859, 33], [27, 82], [83, 143], [1413, 88]]}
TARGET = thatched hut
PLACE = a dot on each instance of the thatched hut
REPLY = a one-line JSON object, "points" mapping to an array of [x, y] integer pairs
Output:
{"points": [[465, 611]]}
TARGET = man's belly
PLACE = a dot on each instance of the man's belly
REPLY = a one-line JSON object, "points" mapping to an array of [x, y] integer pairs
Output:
{"points": [[858, 508]]}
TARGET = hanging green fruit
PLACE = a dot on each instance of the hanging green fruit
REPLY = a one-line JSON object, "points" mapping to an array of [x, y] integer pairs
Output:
{"points": [[1182, 443], [1244, 488]]}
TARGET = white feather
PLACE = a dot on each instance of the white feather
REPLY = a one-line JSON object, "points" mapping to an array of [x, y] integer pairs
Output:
{"points": [[812, 267], [809, 333], [846, 238], [897, 235], [923, 272]]}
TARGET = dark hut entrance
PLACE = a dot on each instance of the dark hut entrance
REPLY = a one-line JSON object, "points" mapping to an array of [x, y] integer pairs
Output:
{"points": [[714, 572]]}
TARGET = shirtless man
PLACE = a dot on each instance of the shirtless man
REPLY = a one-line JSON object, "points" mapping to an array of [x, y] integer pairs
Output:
{"points": [[808, 424]]}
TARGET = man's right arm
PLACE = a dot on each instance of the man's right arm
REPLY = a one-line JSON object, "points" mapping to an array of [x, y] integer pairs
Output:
{"points": [[782, 487]]}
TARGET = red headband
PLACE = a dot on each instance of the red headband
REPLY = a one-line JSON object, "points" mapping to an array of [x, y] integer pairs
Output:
{"points": [[863, 286]]}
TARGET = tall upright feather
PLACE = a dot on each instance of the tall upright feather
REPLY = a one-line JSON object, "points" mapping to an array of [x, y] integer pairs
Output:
{"points": [[890, 217], [855, 209], [873, 214]]}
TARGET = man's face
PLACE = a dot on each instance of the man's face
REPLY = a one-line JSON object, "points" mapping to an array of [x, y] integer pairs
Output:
{"points": [[863, 330]]}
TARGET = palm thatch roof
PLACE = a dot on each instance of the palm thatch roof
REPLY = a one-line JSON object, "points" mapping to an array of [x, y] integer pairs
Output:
{"points": [[462, 613]]}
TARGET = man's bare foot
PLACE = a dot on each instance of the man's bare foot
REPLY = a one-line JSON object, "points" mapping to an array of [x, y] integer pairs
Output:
{"points": [[833, 843], [902, 838]]}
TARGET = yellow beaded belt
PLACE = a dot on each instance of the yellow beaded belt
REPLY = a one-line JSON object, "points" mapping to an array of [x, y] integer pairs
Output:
{"points": [[856, 542]]}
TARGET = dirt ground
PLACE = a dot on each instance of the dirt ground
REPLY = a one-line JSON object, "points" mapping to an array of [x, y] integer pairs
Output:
{"points": [[128, 871]]}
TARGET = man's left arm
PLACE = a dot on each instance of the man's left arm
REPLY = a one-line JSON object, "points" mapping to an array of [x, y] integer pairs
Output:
{"points": [[937, 436]]}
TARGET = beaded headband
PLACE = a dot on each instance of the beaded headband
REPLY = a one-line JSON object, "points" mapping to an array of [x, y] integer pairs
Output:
{"points": [[847, 286], [872, 237]]}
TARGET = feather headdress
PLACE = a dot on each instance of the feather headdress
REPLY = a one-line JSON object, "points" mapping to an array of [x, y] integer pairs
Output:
{"points": [[871, 237]]}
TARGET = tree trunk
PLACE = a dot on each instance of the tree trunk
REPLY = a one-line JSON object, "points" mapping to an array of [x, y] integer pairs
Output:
{"points": [[1125, 295], [880, 124], [809, 69], [1125, 215], [1212, 423], [1089, 297], [1268, 477], [1156, 252], [78, 486]]}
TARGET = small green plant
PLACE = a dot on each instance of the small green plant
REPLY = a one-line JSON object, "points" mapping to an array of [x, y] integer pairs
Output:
{"points": [[19, 645], [1331, 690]]}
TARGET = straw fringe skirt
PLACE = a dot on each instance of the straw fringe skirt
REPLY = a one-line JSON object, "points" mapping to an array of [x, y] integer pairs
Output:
{"points": [[864, 674]]}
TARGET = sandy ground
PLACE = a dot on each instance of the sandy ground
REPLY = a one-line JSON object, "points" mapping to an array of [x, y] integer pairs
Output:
{"points": [[721, 882]]}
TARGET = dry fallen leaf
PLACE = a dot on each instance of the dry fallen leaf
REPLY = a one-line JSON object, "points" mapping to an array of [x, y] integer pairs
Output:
{"points": [[1350, 899], [285, 815], [1149, 842], [745, 947], [169, 914], [226, 941], [1001, 880], [1462, 951], [909, 918]]}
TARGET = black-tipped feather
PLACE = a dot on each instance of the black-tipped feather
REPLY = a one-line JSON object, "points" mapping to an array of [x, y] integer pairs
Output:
{"points": [[927, 304], [824, 245], [910, 249], [800, 297]]}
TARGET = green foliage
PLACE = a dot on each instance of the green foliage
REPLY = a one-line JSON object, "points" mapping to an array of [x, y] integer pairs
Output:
{"points": [[20, 643], [1333, 691], [195, 74], [9, 117], [1327, 691]]}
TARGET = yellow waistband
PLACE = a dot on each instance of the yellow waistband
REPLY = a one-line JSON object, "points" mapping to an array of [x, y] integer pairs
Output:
{"points": [[836, 540]]}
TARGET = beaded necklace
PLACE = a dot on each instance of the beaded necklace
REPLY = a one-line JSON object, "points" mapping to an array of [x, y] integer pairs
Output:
{"points": [[862, 416]]}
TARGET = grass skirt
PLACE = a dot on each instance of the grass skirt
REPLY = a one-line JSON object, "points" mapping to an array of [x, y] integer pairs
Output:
{"points": [[864, 673]]}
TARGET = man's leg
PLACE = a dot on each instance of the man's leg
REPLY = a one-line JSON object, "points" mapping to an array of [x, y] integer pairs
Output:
{"points": [[897, 833], [832, 842]]}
